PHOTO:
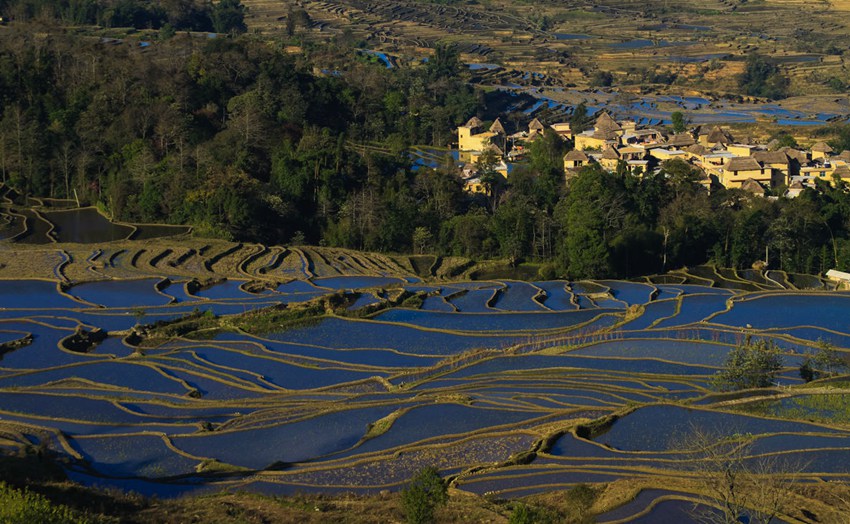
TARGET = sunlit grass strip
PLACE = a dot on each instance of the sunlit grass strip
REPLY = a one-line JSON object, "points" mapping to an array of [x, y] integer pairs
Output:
{"points": [[260, 379], [257, 251], [306, 264], [92, 423], [300, 360], [209, 262], [840, 421], [34, 320], [276, 256], [676, 312], [780, 278], [276, 354], [180, 365], [555, 376], [583, 379], [75, 382], [319, 263], [690, 278], [651, 359], [758, 295], [776, 333], [692, 332], [535, 332]]}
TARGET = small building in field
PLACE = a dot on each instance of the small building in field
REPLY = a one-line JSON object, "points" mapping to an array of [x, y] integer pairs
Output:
{"points": [[714, 137], [562, 129], [610, 158], [741, 149], [842, 172], [777, 161], [753, 187], [535, 129], [472, 137], [680, 141], [738, 170], [841, 277], [667, 154], [821, 150], [794, 189], [575, 160], [606, 132]]}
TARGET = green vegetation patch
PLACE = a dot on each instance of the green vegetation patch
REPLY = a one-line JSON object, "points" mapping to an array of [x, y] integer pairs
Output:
{"points": [[828, 407], [24, 507]]}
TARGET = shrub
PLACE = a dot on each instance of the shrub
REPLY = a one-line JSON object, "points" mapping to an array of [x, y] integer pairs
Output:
{"points": [[826, 361], [525, 514], [420, 498], [750, 365], [24, 507]]}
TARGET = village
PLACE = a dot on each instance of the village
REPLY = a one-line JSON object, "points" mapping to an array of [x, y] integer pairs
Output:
{"points": [[623, 146]]}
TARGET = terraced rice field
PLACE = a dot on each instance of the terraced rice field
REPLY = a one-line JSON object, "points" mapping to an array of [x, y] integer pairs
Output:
{"points": [[491, 382], [544, 55]]}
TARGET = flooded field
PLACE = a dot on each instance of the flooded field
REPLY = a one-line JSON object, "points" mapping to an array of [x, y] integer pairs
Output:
{"points": [[652, 49], [485, 372]]}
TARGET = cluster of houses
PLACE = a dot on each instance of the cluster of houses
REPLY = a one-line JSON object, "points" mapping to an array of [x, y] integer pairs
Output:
{"points": [[626, 147]]}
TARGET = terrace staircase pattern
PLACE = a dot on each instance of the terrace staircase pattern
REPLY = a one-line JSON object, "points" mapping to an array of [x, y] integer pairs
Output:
{"points": [[511, 370]]}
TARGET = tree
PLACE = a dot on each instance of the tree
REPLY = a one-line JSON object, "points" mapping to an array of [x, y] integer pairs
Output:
{"points": [[579, 120], [445, 63], [592, 213], [493, 181], [469, 235], [737, 486], [826, 361], [421, 239], [783, 139], [420, 498], [678, 121], [601, 79], [842, 140], [512, 226], [229, 16], [750, 365], [762, 78]]}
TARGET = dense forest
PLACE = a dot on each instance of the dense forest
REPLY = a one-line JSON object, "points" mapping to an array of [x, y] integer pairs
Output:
{"points": [[245, 138]]}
